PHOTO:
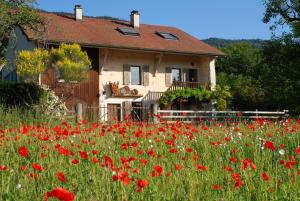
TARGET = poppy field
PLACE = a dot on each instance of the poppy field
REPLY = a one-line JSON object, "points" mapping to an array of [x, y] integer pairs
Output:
{"points": [[254, 160]]}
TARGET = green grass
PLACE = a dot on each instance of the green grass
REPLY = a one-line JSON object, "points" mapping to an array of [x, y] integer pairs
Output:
{"points": [[94, 181]]}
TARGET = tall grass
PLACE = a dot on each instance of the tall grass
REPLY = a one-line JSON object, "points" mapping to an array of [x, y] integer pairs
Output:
{"points": [[197, 161]]}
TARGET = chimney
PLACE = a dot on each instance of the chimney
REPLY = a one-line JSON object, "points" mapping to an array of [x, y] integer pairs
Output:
{"points": [[78, 12], [135, 19]]}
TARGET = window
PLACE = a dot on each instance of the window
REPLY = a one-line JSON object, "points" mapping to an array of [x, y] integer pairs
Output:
{"points": [[167, 36], [135, 74], [176, 74], [128, 31]]}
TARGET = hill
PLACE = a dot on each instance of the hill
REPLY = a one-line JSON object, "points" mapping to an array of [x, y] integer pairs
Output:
{"points": [[221, 43]]}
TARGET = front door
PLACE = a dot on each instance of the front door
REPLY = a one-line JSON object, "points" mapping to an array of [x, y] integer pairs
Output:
{"points": [[193, 75]]}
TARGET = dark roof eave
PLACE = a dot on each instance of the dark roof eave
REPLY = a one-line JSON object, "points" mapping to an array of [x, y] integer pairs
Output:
{"points": [[139, 49]]}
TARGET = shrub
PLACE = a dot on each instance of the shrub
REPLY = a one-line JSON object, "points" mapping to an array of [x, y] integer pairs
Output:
{"points": [[20, 94]]}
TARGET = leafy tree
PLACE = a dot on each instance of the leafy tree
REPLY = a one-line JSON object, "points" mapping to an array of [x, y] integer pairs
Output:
{"points": [[280, 72], [241, 58], [283, 12], [247, 92], [14, 13], [32, 63], [72, 63], [222, 95]]}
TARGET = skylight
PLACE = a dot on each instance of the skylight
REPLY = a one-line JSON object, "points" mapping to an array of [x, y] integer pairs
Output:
{"points": [[167, 36], [128, 31]]}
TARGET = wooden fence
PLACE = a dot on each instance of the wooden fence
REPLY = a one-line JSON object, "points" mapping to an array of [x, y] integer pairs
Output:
{"points": [[194, 116]]}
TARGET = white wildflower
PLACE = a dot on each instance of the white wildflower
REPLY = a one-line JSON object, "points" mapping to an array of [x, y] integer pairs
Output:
{"points": [[18, 186], [281, 152]]}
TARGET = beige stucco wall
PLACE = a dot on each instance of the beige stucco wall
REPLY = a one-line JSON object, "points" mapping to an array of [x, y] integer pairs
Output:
{"points": [[112, 71]]}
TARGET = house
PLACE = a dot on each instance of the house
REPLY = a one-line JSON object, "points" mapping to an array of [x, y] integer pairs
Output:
{"points": [[133, 63]]}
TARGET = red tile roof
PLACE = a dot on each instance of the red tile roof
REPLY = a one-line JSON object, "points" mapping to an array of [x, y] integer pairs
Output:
{"points": [[102, 33]]}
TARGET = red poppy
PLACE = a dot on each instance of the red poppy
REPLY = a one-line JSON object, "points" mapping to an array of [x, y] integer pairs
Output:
{"points": [[23, 151], [61, 177], [288, 165], [173, 150], [33, 175], [83, 154], [264, 176], [60, 193], [168, 174], [178, 167], [216, 187], [95, 152], [36, 166], [108, 163], [63, 151], [3, 167], [233, 159], [143, 161], [201, 167], [270, 145], [227, 139], [141, 184], [22, 167], [43, 155], [158, 169], [95, 160], [297, 150], [74, 161], [151, 153]]}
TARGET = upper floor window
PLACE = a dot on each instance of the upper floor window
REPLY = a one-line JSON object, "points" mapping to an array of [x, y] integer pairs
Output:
{"points": [[135, 75], [176, 74], [168, 36]]}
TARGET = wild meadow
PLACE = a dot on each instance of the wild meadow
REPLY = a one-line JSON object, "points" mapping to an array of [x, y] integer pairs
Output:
{"points": [[84, 161]]}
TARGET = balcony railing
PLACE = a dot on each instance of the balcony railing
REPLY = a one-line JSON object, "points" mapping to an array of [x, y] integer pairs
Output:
{"points": [[182, 85]]}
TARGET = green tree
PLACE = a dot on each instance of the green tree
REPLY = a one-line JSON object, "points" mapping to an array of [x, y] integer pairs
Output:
{"points": [[32, 63], [72, 63], [247, 92], [283, 12], [14, 13], [241, 58], [280, 72]]}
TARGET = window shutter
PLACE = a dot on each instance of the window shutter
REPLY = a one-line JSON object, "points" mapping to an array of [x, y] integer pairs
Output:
{"points": [[145, 75], [185, 75], [168, 76], [126, 74]]}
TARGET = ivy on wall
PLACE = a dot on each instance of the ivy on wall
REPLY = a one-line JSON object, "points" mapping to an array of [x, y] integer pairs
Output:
{"points": [[221, 95]]}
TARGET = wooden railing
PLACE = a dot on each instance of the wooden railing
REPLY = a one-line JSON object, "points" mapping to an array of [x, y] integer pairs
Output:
{"points": [[152, 96], [182, 85], [196, 116]]}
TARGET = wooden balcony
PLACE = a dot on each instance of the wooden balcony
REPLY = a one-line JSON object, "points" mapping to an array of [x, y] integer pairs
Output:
{"points": [[183, 85]]}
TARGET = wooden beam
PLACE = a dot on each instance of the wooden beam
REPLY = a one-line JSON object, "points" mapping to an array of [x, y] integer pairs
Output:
{"points": [[103, 55]]}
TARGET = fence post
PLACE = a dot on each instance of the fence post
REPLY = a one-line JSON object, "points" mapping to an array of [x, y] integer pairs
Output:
{"points": [[155, 108], [256, 113], [79, 110], [286, 114]]}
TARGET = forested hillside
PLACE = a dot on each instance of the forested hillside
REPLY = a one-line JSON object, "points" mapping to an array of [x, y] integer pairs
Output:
{"points": [[221, 43]]}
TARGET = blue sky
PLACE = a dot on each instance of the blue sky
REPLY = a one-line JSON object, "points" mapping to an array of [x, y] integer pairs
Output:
{"points": [[229, 19]]}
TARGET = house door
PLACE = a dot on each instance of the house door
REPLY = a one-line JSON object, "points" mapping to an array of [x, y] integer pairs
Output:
{"points": [[193, 75], [113, 112]]}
